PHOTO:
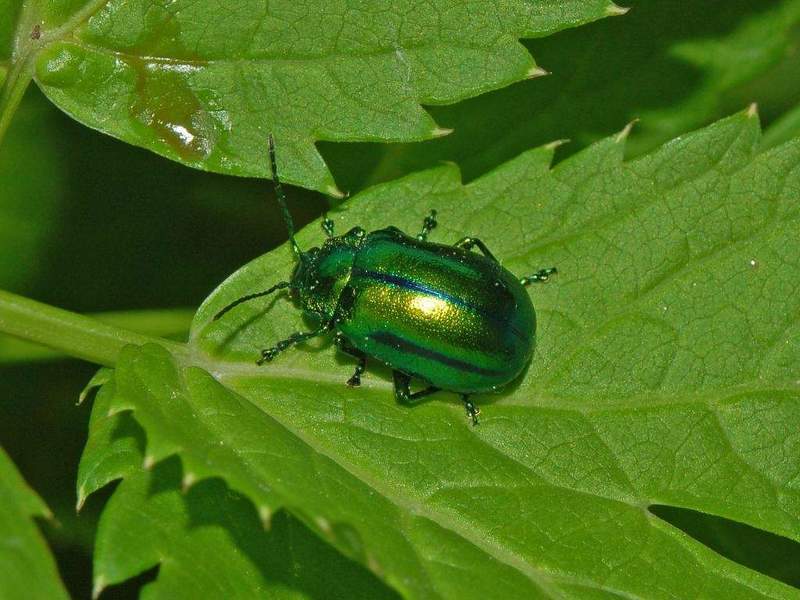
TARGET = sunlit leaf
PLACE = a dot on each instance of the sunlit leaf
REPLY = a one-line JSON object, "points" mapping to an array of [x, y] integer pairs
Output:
{"points": [[203, 82], [665, 373]]}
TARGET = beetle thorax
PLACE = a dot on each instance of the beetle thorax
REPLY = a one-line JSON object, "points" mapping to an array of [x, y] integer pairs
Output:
{"points": [[322, 273]]}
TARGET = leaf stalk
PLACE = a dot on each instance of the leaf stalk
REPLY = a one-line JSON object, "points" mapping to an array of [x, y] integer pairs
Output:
{"points": [[71, 333]]}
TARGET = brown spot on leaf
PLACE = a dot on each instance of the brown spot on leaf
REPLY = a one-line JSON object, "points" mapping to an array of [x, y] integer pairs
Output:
{"points": [[164, 102]]}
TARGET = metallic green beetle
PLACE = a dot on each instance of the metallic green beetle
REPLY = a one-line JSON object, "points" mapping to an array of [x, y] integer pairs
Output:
{"points": [[455, 319]]}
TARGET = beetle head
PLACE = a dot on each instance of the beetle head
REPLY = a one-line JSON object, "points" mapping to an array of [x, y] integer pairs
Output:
{"points": [[322, 273]]}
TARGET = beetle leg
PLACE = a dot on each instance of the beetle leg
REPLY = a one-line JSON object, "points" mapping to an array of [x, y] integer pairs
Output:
{"points": [[427, 225], [472, 410], [468, 243], [327, 225], [355, 380], [269, 354], [344, 346], [540, 276], [402, 391]]}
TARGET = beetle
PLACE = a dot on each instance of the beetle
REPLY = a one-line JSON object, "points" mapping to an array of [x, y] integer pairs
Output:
{"points": [[453, 318]]}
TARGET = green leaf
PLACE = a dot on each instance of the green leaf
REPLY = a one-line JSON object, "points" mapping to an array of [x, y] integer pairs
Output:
{"points": [[151, 521], [675, 66], [203, 83], [29, 570], [664, 374]]}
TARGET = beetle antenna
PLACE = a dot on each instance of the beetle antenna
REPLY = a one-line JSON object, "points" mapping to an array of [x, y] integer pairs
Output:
{"points": [[287, 217], [235, 303]]}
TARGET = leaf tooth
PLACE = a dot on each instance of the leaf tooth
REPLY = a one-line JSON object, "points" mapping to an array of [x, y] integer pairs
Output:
{"points": [[115, 410], [334, 191], [441, 132], [324, 525], [752, 110], [265, 514], [99, 379], [374, 566], [98, 586], [556, 143], [148, 462], [623, 135], [188, 480], [614, 10], [537, 71], [81, 499]]}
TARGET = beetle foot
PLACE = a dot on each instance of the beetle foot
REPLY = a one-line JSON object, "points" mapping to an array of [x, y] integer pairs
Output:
{"points": [[428, 224], [354, 381], [472, 410], [541, 276], [267, 356]]}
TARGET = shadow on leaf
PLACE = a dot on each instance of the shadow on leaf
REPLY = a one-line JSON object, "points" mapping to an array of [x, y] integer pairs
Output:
{"points": [[765, 552]]}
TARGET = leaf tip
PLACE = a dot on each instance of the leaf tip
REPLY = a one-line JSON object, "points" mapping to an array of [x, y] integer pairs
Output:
{"points": [[265, 514], [81, 499], [623, 135], [98, 587], [752, 110], [614, 10], [148, 462], [536, 71], [441, 132]]}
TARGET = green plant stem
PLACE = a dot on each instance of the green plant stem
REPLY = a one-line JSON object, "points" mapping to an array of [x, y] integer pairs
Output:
{"points": [[68, 332], [20, 69], [172, 324], [12, 92]]}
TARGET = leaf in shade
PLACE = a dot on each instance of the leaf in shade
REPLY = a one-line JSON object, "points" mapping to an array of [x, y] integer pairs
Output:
{"points": [[205, 529], [674, 65], [28, 569]]}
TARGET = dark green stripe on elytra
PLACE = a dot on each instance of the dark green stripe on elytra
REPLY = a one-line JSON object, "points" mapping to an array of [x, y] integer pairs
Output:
{"points": [[400, 344]]}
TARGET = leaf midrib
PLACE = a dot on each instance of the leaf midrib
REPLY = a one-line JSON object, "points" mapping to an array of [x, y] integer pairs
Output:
{"points": [[540, 577], [228, 372], [277, 59]]}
